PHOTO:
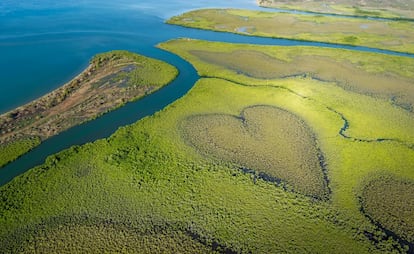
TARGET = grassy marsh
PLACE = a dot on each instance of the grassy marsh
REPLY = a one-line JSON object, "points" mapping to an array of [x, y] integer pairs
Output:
{"points": [[403, 9], [390, 35]]}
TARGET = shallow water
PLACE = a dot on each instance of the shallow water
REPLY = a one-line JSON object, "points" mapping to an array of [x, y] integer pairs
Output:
{"points": [[45, 43]]}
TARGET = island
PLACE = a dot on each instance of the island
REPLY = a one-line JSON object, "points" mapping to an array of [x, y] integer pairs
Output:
{"points": [[111, 80]]}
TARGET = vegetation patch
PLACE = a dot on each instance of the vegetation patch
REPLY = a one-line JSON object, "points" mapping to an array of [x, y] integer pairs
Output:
{"points": [[389, 35], [146, 175], [12, 150], [399, 9], [111, 80], [266, 139], [389, 201], [245, 62], [92, 235], [359, 127], [363, 89], [364, 73], [317, 65], [160, 183]]}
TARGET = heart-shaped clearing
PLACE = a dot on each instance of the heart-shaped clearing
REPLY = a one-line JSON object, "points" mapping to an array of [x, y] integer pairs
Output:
{"points": [[266, 139]]}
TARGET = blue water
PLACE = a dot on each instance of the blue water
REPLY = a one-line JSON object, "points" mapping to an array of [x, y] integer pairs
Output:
{"points": [[44, 44]]}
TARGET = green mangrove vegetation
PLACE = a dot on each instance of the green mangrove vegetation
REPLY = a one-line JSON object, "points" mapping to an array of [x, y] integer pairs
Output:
{"points": [[80, 234], [358, 126], [247, 161], [267, 139], [391, 35], [274, 150], [400, 9], [340, 79], [364, 75], [146, 176], [390, 202], [111, 80], [12, 150]]}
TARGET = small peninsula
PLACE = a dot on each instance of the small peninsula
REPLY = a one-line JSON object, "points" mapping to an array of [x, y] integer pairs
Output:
{"points": [[111, 80]]}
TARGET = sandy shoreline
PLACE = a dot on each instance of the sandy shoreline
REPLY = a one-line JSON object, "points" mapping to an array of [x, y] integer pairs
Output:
{"points": [[111, 80]]}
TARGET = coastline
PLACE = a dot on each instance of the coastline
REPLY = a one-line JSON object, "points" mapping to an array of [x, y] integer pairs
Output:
{"points": [[111, 80]]}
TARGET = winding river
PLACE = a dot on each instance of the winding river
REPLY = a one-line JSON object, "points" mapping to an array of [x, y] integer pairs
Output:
{"points": [[54, 42]]}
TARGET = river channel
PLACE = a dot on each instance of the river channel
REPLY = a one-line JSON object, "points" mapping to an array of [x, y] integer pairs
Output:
{"points": [[42, 46]]}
